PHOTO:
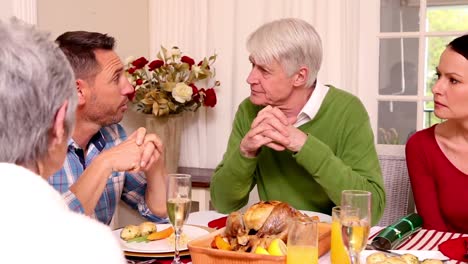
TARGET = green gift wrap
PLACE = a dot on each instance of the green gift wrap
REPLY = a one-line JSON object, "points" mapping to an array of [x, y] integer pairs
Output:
{"points": [[394, 234]]}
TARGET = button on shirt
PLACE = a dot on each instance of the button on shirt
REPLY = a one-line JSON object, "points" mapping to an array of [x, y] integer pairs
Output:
{"points": [[130, 187]]}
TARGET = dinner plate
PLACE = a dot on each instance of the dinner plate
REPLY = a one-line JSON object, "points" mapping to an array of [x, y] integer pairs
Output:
{"points": [[421, 254], [160, 246], [323, 217]]}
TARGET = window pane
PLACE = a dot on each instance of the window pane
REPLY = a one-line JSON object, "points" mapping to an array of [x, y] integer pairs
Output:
{"points": [[429, 118], [447, 15], [399, 15], [435, 47], [398, 72], [396, 122]]}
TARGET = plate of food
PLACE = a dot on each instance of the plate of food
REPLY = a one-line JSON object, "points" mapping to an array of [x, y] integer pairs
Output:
{"points": [[149, 237], [407, 256], [323, 217]]}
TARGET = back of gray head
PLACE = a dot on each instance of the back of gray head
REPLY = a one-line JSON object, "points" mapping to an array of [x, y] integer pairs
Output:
{"points": [[35, 80]]}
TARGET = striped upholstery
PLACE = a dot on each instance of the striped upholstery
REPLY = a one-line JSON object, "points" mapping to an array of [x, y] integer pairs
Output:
{"points": [[424, 240]]}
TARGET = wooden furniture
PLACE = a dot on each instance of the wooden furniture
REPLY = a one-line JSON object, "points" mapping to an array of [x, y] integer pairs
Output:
{"points": [[201, 178]]}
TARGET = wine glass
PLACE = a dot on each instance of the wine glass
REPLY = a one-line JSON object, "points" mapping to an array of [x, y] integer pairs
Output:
{"points": [[355, 221], [179, 193]]}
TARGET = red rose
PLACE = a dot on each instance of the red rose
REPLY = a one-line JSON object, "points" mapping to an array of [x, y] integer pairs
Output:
{"points": [[139, 81], [195, 94], [210, 97], [155, 64], [140, 62], [187, 60], [131, 70]]}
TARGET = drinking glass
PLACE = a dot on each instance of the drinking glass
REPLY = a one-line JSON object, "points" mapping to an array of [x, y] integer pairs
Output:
{"points": [[179, 194], [302, 241], [338, 253], [355, 221]]}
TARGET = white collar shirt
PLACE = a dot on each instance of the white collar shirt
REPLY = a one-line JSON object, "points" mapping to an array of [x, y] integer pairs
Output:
{"points": [[312, 106]]}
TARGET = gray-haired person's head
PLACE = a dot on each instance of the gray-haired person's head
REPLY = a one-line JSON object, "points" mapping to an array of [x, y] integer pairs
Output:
{"points": [[292, 42], [35, 81]]}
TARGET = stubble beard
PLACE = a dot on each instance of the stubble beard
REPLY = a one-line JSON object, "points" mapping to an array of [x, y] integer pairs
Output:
{"points": [[103, 115]]}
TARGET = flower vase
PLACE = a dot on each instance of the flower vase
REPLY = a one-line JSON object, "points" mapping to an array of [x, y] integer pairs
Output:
{"points": [[168, 129]]}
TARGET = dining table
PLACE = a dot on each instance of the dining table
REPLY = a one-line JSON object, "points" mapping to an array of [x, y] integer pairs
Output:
{"points": [[424, 242]]}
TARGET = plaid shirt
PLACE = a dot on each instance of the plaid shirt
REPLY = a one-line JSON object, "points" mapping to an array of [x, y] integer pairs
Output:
{"points": [[130, 187]]}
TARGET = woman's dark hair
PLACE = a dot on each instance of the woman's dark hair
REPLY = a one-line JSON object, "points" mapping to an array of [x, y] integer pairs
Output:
{"points": [[79, 47], [460, 45]]}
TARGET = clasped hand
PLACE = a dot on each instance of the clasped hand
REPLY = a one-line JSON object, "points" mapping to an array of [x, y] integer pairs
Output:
{"points": [[273, 129], [138, 153]]}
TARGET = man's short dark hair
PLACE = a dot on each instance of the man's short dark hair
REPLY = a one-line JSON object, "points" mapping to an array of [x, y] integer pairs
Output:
{"points": [[79, 47]]}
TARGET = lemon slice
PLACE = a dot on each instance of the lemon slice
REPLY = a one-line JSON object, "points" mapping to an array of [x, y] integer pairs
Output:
{"points": [[277, 247], [261, 250]]}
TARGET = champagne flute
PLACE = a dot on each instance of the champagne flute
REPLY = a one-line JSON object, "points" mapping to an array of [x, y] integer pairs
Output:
{"points": [[179, 193], [355, 221]]}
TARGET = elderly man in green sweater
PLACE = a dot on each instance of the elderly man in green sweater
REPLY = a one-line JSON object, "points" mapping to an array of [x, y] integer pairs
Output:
{"points": [[295, 139]]}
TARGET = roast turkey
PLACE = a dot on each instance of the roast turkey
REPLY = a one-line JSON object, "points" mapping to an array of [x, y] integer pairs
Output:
{"points": [[259, 225]]}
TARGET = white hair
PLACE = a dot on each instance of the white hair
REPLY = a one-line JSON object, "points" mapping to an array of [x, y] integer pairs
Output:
{"points": [[35, 81], [292, 42]]}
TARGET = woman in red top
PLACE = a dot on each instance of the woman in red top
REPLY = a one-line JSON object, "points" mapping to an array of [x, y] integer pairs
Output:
{"points": [[437, 157]]}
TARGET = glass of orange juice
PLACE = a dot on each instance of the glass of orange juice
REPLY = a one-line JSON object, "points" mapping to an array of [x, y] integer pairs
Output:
{"points": [[338, 253], [303, 241]]}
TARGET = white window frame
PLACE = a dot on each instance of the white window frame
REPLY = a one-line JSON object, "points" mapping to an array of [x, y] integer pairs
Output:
{"points": [[369, 58]]}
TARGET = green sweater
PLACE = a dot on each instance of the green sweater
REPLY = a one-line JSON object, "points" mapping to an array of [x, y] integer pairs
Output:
{"points": [[339, 154]]}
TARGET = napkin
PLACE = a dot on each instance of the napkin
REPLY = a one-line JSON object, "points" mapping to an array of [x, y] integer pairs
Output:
{"points": [[218, 223], [455, 248], [394, 234]]}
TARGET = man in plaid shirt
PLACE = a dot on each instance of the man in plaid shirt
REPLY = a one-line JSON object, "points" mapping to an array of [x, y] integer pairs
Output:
{"points": [[102, 164]]}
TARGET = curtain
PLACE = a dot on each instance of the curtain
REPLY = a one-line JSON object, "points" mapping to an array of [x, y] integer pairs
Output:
{"points": [[202, 27]]}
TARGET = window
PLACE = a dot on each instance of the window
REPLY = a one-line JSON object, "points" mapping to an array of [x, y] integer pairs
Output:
{"points": [[411, 36]]}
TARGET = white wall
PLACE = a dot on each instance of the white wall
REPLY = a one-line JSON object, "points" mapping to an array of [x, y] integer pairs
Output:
{"points": [[126, 21], [6, 9]]}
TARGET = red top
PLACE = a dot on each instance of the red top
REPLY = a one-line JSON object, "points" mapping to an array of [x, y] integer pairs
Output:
{"points": [[440, 189]]}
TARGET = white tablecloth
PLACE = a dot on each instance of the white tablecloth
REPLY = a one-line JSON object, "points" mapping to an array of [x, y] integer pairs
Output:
{"points": [[202, 218]]}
